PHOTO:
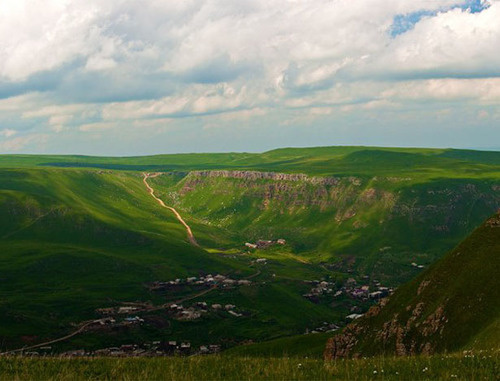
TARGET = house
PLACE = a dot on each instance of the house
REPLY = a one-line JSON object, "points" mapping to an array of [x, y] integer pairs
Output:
{"points": [[105, 311], [202, 305], [263, 244], [353, 316], [126, 310], [250, 245], [351, 282], [214, 348], [281, 241], [185, 347], [204, 350], [261, 260], [228, 307], [216, 306]]}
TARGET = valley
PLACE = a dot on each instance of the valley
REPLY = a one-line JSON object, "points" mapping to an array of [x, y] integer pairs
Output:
{"points": [[288, 243]]}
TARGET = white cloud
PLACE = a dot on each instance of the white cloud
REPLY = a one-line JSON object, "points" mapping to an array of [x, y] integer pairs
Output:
{"points": [[20, 142], [84, 65], [7, 132], [92, 127]]}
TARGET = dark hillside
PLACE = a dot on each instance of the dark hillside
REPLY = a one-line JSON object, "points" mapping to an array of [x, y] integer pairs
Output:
{"points": [[453, 305]]}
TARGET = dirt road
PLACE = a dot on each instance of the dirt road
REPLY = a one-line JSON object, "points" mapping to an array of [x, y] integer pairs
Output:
{"points": [[177, 215], [79, 330]]}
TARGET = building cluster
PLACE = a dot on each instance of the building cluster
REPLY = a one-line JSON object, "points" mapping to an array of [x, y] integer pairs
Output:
{"points": [[351, 289], [413, 264], [264, 244], [325, 327], [319, 288], [198, 309], [176, 311], [151, 349], [206, 281], [364, 292]]}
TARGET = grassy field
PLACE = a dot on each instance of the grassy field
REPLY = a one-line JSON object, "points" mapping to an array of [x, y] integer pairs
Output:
{"points": [[477, 366], [323, 161]]}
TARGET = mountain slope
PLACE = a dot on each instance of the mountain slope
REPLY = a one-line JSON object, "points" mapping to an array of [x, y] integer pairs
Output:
{"points": [[77, 240], [453, 305]]}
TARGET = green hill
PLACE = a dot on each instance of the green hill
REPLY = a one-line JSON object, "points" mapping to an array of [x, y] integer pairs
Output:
{"points": [[82, 233], [76, 240], [451, 306]]}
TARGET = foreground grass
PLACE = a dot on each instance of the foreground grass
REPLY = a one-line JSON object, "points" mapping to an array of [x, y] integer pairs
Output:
{"points": [[482, 366]]}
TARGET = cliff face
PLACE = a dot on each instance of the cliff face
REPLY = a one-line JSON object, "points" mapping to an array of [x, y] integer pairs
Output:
{"points": [[255, 175], [285, 190], [447, 308]]}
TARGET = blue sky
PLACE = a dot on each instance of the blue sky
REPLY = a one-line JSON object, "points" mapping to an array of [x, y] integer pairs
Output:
{"points": [[125, 78]]}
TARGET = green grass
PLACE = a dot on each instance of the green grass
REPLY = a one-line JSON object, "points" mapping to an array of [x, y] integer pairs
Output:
{"points": [[370, 161], [478, 366], [304, 346]]}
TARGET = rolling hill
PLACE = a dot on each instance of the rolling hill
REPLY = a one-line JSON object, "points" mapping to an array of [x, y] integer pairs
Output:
{"points": [[81, 234]]}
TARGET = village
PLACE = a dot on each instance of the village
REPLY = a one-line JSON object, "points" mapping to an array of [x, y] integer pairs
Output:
{"points": [[209, 280], [356, 295], [147, 349]]}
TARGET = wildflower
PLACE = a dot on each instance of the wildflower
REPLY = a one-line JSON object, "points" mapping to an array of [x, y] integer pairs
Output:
{"points": [[397, 372], [299, 366], [425, 369], [375, 372]]}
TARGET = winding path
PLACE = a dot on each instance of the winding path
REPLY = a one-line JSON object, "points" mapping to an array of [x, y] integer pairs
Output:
{"points": [[160, 201]]}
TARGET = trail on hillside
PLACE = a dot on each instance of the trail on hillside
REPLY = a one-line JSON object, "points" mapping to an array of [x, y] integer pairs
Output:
{"points": [[79, 330], [160, 201]]}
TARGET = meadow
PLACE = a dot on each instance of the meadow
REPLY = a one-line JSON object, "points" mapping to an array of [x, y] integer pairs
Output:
{"points": [[468, 366]]}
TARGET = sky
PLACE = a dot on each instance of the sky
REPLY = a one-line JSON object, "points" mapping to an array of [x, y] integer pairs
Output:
{"points": [[120, 77]]}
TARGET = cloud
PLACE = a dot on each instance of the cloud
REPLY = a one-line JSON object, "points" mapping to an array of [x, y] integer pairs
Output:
{"points": [[92, 127], [20, 142], [69, 67], [7, 132]]}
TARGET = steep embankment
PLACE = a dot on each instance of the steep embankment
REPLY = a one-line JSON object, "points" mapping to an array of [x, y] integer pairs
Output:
{"points": [[451, 306]]}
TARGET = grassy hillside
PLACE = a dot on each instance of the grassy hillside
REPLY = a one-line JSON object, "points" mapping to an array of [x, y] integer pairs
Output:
{"points": [[74, 240], [323, 161], [451, 306], [480, 366], [81, 233]]}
